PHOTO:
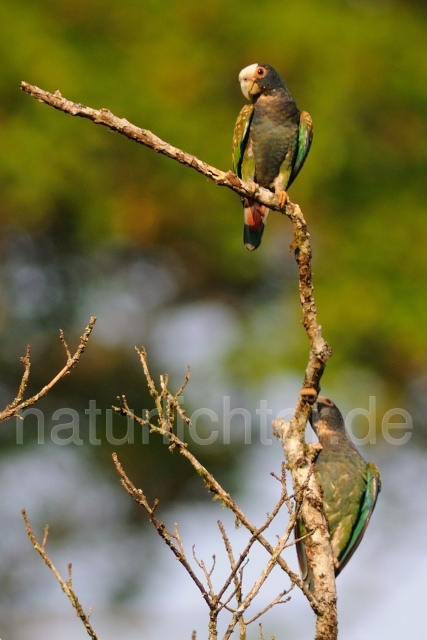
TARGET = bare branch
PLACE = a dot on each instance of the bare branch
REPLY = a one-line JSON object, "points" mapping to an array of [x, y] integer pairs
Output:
{"points": [[277, 600], [167, 536], [213, 486], [184, 384], [234, 567], [66, 585], [318, 547], [167, 404], [245, 553], [25, 376], [45, 536], [301, 243], [67, 351], [143, 136], [206, 572], [320, 351], [236, 575], [18, 403], [175, 535], [272, 562], [292, 436]]}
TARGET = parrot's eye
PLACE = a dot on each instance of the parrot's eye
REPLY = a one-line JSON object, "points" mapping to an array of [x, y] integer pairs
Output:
{"points": [[328, 402], [260, 72]]}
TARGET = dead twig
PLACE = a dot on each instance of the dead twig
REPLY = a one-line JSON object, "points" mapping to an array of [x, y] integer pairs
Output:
{"points": [[167, 536], [66, 585], [19, 403], [165, 429]]}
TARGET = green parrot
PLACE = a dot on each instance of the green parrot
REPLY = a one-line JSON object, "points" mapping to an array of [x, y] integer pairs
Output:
{"points": [[270, 144], [350, 488]]}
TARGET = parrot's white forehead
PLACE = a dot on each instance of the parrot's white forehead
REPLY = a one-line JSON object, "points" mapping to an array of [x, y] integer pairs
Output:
{"points": [[248, 71]]}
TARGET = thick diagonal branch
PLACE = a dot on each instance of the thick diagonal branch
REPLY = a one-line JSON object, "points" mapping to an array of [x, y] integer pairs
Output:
{"points": [[147, 138]]}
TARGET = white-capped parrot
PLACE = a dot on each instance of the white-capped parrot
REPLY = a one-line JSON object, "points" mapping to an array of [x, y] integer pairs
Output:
{"points": [[270, 144], [349, 485]]}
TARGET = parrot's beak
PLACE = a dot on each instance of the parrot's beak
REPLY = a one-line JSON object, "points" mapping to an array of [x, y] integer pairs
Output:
{"points": [[247, 79]]}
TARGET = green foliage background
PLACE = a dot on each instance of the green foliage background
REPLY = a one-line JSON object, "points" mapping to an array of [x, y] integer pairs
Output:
{"points": [[79, 206], [359, 68]]}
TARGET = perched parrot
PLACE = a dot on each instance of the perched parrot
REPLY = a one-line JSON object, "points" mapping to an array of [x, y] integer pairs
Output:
{"points": [[270, 143], [350, 488]]}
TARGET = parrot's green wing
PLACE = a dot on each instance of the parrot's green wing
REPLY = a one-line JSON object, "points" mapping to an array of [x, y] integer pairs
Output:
{"points": [[240, 137], [373, 487], [300, 532], [244, 166], [305, 137]]}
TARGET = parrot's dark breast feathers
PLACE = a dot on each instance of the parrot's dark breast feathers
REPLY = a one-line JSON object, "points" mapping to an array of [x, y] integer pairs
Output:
{"points": [[274, 134]]}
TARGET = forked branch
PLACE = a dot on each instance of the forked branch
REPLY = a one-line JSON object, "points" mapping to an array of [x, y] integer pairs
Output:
{"points": [[164, 427], [221, 600], [231, 596], [19, 403]]}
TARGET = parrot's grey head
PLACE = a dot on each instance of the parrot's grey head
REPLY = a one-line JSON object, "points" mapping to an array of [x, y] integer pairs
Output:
{"points": [[326, 417], [259, 78]]}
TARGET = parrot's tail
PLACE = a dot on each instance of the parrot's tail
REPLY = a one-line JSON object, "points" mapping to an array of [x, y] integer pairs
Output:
{"points": [[255, 217]]}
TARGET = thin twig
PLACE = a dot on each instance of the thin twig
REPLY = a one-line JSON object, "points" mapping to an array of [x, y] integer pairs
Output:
{"points": [[66, 585], [67, 351], [24, 380], [18, 403], [270, 517], [206, 572], [186, 381], [139, 497], [175, 535], [234, 567], [272, 562], [234, 594], [277, 600], [214, 487], [237, 577]]}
